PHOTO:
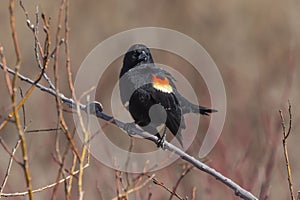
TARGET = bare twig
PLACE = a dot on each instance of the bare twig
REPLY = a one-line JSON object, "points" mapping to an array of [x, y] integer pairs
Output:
{"points": [[61, 165], [14, 32], [285, 150], [43, 130], [68, 66], [6, 75], [68, 193], [37, 45], [42, 188], [118, 189], [127, 162], [290, 121], [14, 101], [30, 90], [67, 50], [99, 192], [68, 101], [9, 166], [59, 162], [23, 110], [149, 196], [136, 181], [194, 193], [6, 148], [56, 76], [85, 150], [157, 182], [136, 188], [125, 194], [183, 174]]}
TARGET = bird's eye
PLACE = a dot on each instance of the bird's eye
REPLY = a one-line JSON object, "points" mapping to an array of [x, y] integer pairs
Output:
{"points": [[134, 55]]}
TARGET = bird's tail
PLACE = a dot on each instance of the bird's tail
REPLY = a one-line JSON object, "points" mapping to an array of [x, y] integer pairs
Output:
{"points": [[188, 107], [202, 110]]}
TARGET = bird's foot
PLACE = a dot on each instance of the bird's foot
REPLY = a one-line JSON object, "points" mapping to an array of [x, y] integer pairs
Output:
{"points": [[161, 140], [161, 143], [128, 128]]}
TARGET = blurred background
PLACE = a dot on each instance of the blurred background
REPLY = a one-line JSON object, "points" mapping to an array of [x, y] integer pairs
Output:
{"points": [[255, 44]]}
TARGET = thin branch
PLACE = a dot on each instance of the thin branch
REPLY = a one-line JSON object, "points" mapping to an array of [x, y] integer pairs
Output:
{"points": [[157, 182], [47, 41], [140, 186], [183, 174], [14, 32], [23, 110], [61, 163], [135, 181], [14, 101], [149, 196], [290, 120], [99, 192], [238, 190], [285, 150], [42, 188], [194, 193], [66, 100], [9, 166], [37, 45], [6, 148], [68, 66], [85, 150], [68, 193], [28, 93], [117, 177], [43, 130], [6, 75], [58, 160], [124, 195], [127, 162], [67, 50], [56, 82]]}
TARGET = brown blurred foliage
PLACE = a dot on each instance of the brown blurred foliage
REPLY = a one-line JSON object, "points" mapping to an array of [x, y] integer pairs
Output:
{"points": [[255, 44]]}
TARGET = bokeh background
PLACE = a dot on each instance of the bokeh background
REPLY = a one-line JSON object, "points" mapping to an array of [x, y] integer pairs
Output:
{"points": [[255, 44]]}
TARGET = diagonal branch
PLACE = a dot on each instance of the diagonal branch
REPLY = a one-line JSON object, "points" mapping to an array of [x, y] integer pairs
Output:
{"points": [[238, 190]]}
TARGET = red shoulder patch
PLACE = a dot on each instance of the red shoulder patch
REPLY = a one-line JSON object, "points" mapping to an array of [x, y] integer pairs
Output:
{"points": [[162, 85]]}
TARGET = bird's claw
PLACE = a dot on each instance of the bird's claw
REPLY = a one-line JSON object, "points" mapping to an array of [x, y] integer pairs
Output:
{"points": [[161, 142]]}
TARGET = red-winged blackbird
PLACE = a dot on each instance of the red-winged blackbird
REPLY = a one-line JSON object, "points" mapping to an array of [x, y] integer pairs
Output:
{"points": [[152, 94]]}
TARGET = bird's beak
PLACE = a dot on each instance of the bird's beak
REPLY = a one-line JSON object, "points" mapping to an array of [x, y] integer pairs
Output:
{"points": [[143, 56]]}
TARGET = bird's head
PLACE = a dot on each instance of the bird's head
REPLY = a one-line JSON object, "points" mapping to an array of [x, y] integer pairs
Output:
{"points": [[136, 55]]}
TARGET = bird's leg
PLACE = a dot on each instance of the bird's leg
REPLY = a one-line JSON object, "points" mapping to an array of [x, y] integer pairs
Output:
{"points": [[128, 127], [161, 141]]}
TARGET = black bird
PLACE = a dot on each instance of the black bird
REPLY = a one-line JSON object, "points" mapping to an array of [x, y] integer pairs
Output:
{"points": [[152, 95]]}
